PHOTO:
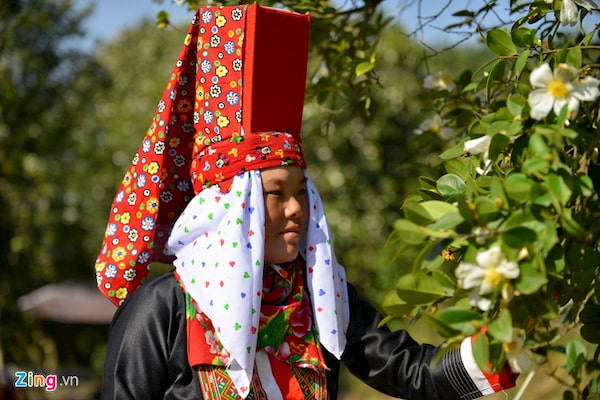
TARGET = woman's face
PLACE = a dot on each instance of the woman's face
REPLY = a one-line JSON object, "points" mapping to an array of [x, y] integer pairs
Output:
{"points": [[286, 212]]}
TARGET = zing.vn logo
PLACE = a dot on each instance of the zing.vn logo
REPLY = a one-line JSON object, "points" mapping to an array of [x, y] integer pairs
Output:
{"points": [[48, 382]]}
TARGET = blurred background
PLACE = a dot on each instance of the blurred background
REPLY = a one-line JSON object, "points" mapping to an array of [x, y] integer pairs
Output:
{"points": [[79, 82]]}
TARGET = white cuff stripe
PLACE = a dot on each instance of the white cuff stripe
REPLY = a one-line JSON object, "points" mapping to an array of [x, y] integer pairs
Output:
{"points": [[479, 379]]}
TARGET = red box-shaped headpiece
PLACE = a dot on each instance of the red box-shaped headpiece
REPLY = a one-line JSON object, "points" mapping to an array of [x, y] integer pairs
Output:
{"points": [[251, 77]]}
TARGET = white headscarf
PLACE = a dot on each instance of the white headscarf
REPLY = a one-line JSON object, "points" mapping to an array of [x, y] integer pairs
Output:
{"points": [[219, 243]]}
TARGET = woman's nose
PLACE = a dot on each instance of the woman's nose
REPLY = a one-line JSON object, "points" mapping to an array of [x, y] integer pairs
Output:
{"points": [[293, 208]]}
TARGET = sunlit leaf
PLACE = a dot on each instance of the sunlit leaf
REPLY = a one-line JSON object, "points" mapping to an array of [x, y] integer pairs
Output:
{"points": [[518, 187], [576, 353], [523, 37], [465, 320], [501, 328], [394, 306], [531, 279], [486, 209], [444, 329], [515, 104], [437, 209], [499, 42], [481, 352], [450, 185], [453, 152], [363, 68], [574, 57], [419, 289], [409, 231], [497, 145]]}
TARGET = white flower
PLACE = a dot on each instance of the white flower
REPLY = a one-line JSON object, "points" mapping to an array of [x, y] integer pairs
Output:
{"points": [[478, 146], [435, 125], [476, 300], [569, 12], [439, 81], [555, 90], [517, 356], [484, 277]]}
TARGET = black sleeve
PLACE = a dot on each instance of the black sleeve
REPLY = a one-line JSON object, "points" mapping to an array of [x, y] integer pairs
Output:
{"points": [[146, 356], [392, 362]]}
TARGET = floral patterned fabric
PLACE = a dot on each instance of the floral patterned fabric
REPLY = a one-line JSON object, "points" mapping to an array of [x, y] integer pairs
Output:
{"points": [[198, 137]]}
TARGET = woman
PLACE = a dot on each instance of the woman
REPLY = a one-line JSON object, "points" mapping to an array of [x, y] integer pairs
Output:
{"points": [[258, 306]]}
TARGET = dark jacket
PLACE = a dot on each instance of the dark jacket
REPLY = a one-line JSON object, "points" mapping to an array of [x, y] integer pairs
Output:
{"points": [[146, 356]]}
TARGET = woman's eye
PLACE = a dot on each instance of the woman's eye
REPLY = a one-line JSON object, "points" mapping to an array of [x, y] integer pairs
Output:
{"points": [[273, 192]]}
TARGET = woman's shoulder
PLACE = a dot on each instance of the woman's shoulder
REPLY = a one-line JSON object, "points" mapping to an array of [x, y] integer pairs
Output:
{"points": [[159, 293]]}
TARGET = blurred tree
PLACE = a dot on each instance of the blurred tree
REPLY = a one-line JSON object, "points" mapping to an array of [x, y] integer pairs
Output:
{"points": [[45, 89]]}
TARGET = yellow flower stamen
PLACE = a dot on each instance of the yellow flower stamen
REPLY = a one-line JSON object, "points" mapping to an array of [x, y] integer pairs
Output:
{"points": [[492, 277], [558, 89]]}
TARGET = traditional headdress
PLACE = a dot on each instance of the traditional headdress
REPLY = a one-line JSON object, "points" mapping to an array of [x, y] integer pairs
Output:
{"points": [[232, 107]]}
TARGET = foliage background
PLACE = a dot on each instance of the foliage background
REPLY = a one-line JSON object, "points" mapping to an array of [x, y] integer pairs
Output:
{"points": [[70, 122]]}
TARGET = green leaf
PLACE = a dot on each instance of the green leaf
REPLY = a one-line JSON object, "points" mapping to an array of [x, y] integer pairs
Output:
{"points": [[574, 57], [519, 236], [486, 210], [440, 326], [588, 37], [453, 152], [455, 315], [444, 280], [419, 289], [576, 354], [163, 19], [585, 186], [515, 104], [523, 37], [535, 167], [481, 352], [518, 187], [497, 193], [559, 189], [483, 69], [394, 306], [502, 328], [437, 209], [497, 145], [415, 212], [410, 232], [363, 68], [447, 221], [424, 253], [496, 74], [466, 321], [450, 185], [538, 145], [427, 182], [590, 314], [570, 225], [458, 166], [500, 43], [531, 279], [590, 318]]}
